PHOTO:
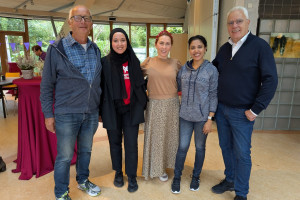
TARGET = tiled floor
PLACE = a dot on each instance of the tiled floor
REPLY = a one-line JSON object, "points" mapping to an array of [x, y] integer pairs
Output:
{"points": [[275, 172]]}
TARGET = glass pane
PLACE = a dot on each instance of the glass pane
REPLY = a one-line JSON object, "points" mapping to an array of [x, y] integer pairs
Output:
{"points": [[123, 26], [40, 30], [58, 25], [156, 29], [138, 41], [101, 37], [174, 30], [152, 49], [11, 24], [14, 47]]}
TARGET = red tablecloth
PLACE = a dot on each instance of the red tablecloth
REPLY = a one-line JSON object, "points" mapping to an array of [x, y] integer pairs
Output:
{"points": [[36, 145]]}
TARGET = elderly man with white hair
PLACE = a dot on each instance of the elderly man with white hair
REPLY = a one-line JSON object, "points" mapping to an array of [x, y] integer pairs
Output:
{"points": [[247, 83], [72, 72]]}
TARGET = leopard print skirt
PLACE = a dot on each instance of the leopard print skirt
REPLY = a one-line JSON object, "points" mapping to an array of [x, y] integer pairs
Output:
{"points": [[161, 136]]}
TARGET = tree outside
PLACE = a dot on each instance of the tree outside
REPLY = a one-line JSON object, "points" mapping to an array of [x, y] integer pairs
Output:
{"points": [[101, 37], [42, 30], [11, 24]]}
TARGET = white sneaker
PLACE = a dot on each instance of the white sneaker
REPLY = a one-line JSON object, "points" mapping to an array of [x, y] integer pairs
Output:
{"points": [[164, 177], [90, 188]]}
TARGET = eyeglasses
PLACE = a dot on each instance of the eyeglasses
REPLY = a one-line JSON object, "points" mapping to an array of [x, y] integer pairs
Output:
{"points": [[238, 22], [78, 18]]}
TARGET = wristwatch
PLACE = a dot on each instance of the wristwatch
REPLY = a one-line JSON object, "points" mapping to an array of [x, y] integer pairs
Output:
{"points": [[211, 118]]}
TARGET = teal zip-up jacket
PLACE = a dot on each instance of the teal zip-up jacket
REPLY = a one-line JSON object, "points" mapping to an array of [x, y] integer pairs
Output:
{"points": [[199, 91], [71, 90]]}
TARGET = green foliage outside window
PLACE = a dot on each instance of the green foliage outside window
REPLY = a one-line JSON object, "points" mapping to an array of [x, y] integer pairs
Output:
{"points": [[175, 30], [11, 24], [42, 30], [124, 26], [101, 37], [138, 36], [155, 29]]}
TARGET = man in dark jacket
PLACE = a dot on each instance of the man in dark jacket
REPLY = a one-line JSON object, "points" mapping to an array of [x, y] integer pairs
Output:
{"points": [[72, 72], [247, 83]]}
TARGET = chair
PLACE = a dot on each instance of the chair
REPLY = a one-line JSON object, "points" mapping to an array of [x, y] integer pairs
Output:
{"points": [[12, 89], [13, 67]]}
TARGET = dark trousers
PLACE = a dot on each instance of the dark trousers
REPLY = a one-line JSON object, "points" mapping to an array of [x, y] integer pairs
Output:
{"points": [[130, 133]]}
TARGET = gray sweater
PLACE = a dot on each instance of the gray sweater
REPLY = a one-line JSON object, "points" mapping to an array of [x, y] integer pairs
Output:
{"points": [[199, 91], [73, 92]]}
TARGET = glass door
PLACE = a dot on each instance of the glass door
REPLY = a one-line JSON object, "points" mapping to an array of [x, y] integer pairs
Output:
{"points": [[12, 45]]}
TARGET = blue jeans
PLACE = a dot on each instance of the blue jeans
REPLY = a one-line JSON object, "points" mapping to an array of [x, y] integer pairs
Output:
{"points": [[235, 131], [186, 130], [69, 128]]}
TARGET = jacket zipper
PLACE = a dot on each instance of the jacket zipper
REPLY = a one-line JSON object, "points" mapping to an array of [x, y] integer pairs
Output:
{"points": [[76, 68]]}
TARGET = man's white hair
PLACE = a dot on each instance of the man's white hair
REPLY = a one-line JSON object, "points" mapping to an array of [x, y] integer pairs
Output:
{"points": [[71, 10], [241, 8]]}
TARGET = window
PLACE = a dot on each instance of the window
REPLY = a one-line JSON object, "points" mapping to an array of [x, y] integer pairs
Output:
{"points": [[12, 54], [101, 37], [155, 29], [138, 41], [11, 24], [123, 26], [40, 30], [175, 29], [152, 49], [58, 25]]}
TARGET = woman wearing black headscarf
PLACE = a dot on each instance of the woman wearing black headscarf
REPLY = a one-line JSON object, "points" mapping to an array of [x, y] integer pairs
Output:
{"points": [[122, 107]]}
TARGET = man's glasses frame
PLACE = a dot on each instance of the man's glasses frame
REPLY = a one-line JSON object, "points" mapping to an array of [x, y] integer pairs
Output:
{"points": [[78, 18], [238, 22]]}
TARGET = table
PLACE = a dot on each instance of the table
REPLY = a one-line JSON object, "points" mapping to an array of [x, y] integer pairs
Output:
{"points": [[36, 145], [7, 81]]}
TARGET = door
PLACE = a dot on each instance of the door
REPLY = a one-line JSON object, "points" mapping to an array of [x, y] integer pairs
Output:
{"points": [[12, 45]]}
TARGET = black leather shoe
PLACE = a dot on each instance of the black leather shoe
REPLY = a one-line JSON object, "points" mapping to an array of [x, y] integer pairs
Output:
{"points": [[132, 184], [2, 165], [222, 187], [237, 197], [119, 182]]}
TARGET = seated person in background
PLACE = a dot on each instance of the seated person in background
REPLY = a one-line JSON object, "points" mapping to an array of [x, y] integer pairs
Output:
{"points": [[39, 52]]}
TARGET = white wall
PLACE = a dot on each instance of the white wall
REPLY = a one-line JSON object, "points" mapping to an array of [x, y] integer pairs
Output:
{"points": [[200, 19], [225, 6]]}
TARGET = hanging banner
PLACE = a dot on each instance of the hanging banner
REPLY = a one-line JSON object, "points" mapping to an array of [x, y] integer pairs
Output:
{"points": [[26, 45], [51, 41], [13, 46], [40, 43]]}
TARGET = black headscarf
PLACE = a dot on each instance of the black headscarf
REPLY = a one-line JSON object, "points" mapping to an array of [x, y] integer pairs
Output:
{"points": [[117, 61]]}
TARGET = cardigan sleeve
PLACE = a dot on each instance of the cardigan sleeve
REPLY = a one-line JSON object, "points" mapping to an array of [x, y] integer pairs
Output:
{"points": [[269, 79]]}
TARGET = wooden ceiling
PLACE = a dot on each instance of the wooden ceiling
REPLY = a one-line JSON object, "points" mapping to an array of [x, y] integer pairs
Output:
{"points": [[135, 11]]}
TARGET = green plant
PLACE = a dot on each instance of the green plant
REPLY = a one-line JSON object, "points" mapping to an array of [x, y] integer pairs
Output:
{"points": [[26, 62]]}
